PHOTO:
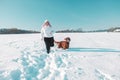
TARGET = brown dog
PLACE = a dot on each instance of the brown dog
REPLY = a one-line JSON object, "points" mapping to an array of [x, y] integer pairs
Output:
{"points": [[64, 44]]}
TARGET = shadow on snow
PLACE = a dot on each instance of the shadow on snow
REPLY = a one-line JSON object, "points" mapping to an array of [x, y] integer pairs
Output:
{"points": [[92, 50]]}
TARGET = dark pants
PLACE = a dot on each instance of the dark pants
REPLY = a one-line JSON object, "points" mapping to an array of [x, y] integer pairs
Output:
{"points": [[49, 42]]}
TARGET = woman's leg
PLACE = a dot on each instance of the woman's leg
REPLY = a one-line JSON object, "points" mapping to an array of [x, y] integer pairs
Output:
{"points": [[47, 43], [51, 41]]}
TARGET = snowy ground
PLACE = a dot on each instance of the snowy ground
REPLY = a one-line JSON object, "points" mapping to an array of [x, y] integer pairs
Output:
{"points": [[92, 56]]}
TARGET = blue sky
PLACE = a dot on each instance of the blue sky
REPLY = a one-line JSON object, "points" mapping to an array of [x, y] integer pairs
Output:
{"points": [[63, 14]]}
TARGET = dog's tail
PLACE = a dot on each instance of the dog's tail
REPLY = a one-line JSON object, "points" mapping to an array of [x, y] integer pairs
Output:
{"points": [[56, 42]]}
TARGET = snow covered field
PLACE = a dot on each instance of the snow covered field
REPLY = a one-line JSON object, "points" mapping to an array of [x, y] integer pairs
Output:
{"points": [[92, 56]]}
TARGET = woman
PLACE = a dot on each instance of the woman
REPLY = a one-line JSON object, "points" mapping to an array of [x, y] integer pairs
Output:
{"points": [[47, 35]]}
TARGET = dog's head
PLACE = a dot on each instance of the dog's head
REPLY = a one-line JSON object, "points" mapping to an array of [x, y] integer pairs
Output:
{"points": [[67, 39]]}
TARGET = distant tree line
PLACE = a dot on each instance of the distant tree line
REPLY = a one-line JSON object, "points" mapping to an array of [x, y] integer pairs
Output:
{"points": [[79, 30], [16, 31], [113, 29], [70, 30]]}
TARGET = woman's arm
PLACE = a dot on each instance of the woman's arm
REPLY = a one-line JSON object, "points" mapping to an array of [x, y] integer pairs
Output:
{"points": [[42, 34]]}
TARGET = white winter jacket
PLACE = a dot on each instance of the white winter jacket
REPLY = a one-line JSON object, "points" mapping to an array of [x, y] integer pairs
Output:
{"points": [[46, 31]]}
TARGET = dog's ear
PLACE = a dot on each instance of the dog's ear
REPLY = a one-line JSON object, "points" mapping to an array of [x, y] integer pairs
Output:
{"points": [[67, 39]]}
